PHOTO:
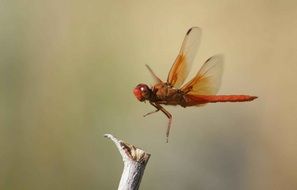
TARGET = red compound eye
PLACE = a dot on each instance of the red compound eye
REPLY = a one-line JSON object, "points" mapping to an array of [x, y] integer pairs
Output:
{"points": [[141, 92], [138, 94]]}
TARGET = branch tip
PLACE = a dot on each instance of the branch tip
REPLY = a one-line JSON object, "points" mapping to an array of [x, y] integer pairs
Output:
{"points": [[128, 150]]}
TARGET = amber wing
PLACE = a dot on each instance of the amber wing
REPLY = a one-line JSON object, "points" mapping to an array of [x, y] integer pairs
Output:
{"points": [[181, 67], [208, 79]]}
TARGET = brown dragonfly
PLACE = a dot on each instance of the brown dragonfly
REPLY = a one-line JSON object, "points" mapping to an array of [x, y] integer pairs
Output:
{"points": [[200, 90]]}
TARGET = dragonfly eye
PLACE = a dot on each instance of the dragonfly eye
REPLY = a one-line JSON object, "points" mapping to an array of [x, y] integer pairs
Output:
{"points": [[141, 92]]}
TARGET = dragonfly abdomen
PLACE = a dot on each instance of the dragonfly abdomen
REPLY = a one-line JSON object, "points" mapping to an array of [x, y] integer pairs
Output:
{"points": [[203, 99], [230, 98]]}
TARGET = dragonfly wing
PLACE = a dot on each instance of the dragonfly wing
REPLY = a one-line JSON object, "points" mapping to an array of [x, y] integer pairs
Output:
{"points": [[182, 64], [156, 78], [208, 79]]}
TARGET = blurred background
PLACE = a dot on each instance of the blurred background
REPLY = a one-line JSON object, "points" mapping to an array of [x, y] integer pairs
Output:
{"points": [[68, 68]]}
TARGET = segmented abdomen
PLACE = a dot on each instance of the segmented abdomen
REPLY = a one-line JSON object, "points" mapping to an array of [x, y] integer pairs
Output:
{"points": [[192, 100]]}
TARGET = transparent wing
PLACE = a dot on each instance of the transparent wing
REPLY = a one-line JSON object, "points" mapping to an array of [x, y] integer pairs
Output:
{"points": [[156, 78], [208, 79], [183, 62]]}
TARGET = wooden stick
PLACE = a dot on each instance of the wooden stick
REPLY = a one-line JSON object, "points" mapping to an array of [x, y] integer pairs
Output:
{"points": [[134, 160]]}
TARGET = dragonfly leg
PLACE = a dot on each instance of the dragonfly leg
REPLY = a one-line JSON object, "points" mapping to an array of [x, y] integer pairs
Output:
{"points": [[150, 112], [168, 115], [157, 109]]}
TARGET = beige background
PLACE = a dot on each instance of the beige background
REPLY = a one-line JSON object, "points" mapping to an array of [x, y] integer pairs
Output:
{"points": [[67, 70]]}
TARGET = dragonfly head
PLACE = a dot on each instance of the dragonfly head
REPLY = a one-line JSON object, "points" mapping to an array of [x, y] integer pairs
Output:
{"points": [[142, 92]]}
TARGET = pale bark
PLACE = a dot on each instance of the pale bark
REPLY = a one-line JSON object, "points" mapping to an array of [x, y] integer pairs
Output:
{"points": [[134, 160]]}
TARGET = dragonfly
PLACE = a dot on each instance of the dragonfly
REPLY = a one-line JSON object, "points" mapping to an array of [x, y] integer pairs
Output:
{"points": [[200, 90]]}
